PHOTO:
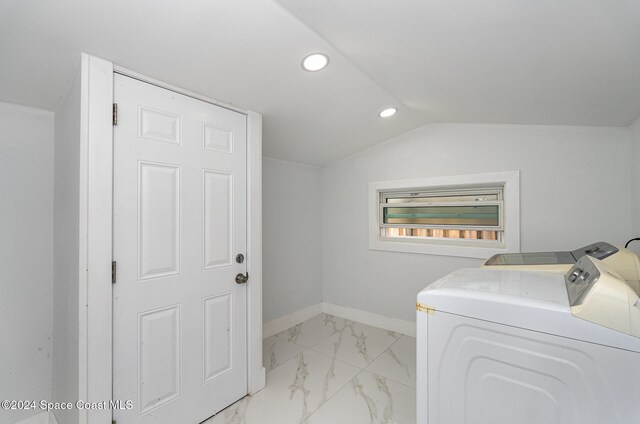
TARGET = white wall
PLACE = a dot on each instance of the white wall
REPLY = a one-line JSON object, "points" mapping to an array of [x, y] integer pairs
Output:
{"points": [[567, 175], [292, 237], [26, 256], [635, 169], [66, 240]]}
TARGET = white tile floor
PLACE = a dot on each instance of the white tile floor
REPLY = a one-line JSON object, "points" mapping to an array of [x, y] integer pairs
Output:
{"points": [[328, 370]]}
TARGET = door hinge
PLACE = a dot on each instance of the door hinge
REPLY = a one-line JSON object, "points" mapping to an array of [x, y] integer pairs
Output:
{"points": [[115, 114], [113, 272]]}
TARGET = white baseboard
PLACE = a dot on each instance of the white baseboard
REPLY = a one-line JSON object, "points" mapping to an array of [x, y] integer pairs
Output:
{"points": [[41, 418], [376, 320], [280, 324]]}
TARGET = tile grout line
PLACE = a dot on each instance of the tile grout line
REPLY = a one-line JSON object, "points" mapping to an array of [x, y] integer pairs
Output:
{"points": [[388, 378], [383, 351], [361, 370], [326, 356], [277, 335], [335, 358], [338, 390]]}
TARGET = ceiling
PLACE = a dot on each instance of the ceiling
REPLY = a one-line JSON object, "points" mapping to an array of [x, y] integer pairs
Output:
{"points": [[560, 62]]}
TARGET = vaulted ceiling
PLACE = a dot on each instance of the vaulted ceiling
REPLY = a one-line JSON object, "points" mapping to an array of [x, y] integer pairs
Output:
{"points": [[561, 62]]}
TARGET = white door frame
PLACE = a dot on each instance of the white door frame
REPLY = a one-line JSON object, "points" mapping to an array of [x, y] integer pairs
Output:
{"points": [[96, 229]]}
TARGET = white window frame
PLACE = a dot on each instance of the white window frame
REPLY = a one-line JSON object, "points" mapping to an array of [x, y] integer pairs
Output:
{"points": [[468, 248]]}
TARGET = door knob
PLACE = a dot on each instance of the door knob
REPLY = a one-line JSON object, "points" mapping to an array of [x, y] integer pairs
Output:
{"points": [[242, 278]]}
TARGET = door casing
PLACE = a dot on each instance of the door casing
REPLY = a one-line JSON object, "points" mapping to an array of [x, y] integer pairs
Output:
{"points": [[96, 229]]}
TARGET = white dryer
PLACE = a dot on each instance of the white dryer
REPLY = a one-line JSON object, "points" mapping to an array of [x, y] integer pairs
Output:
{"points": [[623, 261], [510, 346]]}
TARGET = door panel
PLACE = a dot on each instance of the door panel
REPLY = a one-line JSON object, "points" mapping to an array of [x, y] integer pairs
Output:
{"points": [[158, 220], [218, 213], [179, 220], [218, 330], [159, 357], [158, 125], [218, 139]]}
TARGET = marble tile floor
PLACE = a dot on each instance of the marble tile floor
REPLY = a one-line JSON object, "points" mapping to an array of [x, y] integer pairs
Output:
{"points": [[329, 370]]}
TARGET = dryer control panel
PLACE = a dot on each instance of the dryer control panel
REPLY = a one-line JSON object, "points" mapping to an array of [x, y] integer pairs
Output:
{"points": [[580, 279], [600, 295], [600, 250]]}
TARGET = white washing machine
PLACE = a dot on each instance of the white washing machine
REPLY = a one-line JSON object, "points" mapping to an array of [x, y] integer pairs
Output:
{"points": [[505, 346], [623, 261]]}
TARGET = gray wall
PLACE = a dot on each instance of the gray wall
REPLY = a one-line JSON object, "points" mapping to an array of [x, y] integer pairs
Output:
{"points": [[575, 185], [635, 184], [26, 256], [635, 170], [67, 261], [292, 237]]}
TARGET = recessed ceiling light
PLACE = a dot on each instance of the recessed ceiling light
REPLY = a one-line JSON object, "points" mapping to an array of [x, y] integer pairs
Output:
{"points": [[388, 112], [315, 62]]}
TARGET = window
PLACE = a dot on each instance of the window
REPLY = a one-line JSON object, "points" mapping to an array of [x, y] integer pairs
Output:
{"points": [[472, 215], [465, 213]]}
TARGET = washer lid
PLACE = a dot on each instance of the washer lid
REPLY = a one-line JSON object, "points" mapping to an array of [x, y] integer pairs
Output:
{"points": [[536, 301], [537, 289]]}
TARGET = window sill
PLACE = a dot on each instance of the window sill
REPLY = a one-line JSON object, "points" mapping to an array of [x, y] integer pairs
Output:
{"points": [[437, 247]]}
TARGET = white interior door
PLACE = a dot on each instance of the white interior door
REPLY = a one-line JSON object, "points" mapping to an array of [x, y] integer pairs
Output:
{"points": [[179, 221]]}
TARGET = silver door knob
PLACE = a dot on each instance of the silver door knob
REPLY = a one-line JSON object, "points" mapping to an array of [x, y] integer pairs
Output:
{"points": [[242, 278]]}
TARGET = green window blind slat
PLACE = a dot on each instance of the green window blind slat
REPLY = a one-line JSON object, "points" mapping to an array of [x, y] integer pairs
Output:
{"points": [[443, 215]]}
